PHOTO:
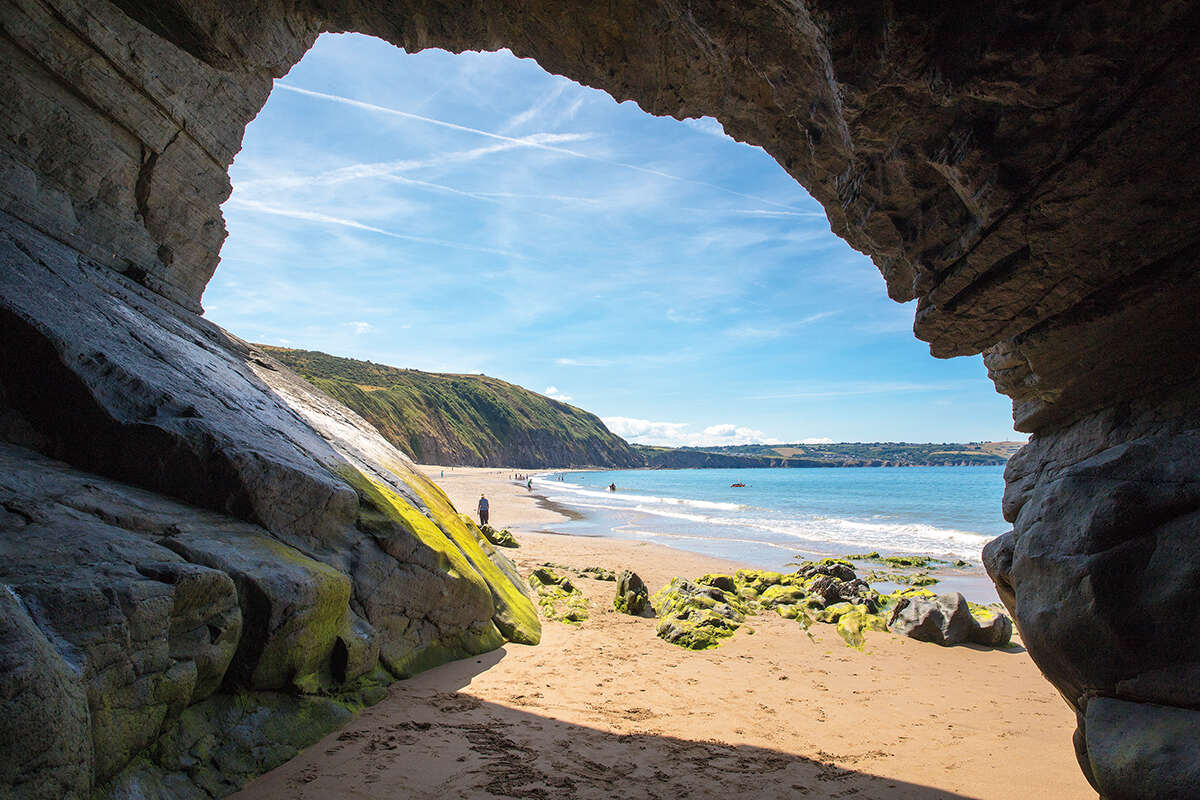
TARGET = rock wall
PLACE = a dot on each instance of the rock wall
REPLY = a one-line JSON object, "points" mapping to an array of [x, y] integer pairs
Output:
{"points": [[1025, 171]]}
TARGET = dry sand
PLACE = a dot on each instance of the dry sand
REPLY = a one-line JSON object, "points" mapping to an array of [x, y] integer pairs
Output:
{"points": [[607, 709]]}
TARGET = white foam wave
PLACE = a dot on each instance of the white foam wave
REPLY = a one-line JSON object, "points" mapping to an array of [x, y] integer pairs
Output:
{"points": [[825, 533], [639, 499]]}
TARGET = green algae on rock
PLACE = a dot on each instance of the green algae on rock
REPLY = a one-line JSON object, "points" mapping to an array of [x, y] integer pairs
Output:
{"points": [[598, 573], [632, 597], [557, 597], [500, 538], [852, 625], [456, 547], [696, 616]]}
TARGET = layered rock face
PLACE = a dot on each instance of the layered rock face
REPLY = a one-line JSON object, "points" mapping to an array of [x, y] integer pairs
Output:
{"points": [[1025, 171]]}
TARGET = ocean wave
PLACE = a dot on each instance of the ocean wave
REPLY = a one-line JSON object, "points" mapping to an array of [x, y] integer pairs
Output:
{"points": [[575, 490]]}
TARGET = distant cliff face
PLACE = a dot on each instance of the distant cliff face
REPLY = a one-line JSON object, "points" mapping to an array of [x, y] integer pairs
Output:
{"points": [[463, 420]]}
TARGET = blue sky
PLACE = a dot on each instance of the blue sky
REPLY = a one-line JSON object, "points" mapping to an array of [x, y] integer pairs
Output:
{"points": [[472, 213]]}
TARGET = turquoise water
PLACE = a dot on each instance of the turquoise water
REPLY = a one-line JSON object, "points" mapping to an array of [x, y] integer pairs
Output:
{"points": [[783, 513]]}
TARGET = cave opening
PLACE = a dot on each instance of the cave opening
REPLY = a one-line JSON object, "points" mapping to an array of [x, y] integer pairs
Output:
{"points": [[1026, 174], [482, 215]]}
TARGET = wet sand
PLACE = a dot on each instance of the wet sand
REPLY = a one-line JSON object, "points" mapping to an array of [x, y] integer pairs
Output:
{"points": [[606, 709]]}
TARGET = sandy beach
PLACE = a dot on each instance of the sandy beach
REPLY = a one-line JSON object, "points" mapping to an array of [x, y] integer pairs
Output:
{"points": [[606, 709]]}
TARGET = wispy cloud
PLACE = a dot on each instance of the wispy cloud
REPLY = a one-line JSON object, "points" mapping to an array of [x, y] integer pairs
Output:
{"points": [[583, 362], [749, 331], [855, 390], [326, 219], [535, 110], [384, 169], [764, 212], [522, 142]]}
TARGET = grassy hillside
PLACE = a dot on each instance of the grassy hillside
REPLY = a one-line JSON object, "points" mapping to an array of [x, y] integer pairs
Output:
{"points": [[469, 420]]}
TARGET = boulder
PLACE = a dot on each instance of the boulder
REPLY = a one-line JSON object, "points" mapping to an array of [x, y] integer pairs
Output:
{"points": [[1139, 751], [598, 573], [852, 625], [558, 598], [500, 538], [994, 629], [696, 616], [632, 596], [781, 594], [725, 583], [943, 619]]}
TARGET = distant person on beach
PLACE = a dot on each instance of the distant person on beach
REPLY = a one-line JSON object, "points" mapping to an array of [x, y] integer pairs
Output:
{"points": [[612, 487], [483, 510], [529, 484]]}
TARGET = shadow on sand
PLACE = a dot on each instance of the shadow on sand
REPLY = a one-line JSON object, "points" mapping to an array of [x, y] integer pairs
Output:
{"points": [[429, 741]]}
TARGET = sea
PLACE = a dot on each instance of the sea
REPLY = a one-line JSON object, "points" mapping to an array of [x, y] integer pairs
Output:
{"points": [[784, 515]]}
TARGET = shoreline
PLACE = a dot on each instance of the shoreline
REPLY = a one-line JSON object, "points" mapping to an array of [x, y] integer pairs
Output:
{"points": [[606, 708], [463, 484]]}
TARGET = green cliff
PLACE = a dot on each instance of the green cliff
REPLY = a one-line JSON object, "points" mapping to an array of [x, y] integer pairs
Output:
{"points": [[468, 420]]}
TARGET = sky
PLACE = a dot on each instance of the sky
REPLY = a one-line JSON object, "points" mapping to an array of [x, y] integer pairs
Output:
{"points": [[472, 213]]}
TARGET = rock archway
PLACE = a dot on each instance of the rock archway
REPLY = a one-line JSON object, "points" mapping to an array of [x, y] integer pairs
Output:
{"points": [[1025, 171]]}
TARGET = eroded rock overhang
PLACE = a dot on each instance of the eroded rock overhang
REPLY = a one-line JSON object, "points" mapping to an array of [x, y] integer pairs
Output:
{"points": [[1027, 173]]}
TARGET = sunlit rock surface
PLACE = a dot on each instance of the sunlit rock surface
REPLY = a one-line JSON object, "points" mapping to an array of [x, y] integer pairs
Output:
{"points": [[1026, 173]]}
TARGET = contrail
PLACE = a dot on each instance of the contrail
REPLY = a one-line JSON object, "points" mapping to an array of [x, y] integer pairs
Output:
{"points": [[521, 142]]}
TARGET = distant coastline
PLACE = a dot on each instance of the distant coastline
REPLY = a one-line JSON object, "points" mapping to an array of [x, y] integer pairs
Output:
{"points": [[829, 455]]}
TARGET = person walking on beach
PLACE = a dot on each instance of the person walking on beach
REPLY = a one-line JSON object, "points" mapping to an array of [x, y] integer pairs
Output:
{"points": [[483, 510], [529, 484]]}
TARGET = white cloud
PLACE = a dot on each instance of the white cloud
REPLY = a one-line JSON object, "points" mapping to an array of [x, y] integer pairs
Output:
{"points": [[517, 120], [553, 393], [708, 125], [582, 362], [326, 219], [816, 440], [775, 331], [359, 327], [676, 434]]}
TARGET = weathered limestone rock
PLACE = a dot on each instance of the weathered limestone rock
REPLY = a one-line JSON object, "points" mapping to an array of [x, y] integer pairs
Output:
{"points": [[632, 595], [1027, 174], [45, 735]]}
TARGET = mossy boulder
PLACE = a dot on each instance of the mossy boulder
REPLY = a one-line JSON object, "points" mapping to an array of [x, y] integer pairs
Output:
{"points": [[756, 581], [598, 573], [558, 598], [632, 596], [781, 594], [500, 538], [920, 562], [834, 612], [852, 625], [916, 579], [995, 628], [696, 616], [838, 568], [725, 583]]}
